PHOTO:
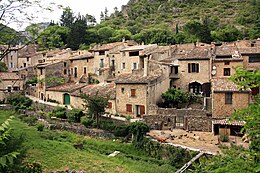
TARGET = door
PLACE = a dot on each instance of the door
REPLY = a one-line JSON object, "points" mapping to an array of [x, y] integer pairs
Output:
{"points": [[66, 99]]}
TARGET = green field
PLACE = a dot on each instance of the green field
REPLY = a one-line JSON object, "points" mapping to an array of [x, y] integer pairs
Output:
{"points": [[55, 151]]}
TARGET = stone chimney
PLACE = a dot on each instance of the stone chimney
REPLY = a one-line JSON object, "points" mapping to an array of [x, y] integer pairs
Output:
{"points": [[145, 66]]}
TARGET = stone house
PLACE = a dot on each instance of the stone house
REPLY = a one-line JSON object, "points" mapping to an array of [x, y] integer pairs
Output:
{"points": [[25, 57], [133, 59], [50, 75], [62, 93], [227, 97], [80, 67], [11, 59], [11, 83], [102, 89], [225, 58], [190, 68], [134, 93]]}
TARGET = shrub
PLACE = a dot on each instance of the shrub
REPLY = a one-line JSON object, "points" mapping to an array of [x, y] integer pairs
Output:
{"points": [[87, 122], [59, 112], [34, 167], [224, 138], [121, 131], [40, 127], [30, 120], [107, 125], [19, 101], [75, 115]]}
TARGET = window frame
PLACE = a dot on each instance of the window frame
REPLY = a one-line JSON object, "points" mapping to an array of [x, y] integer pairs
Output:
{"points": [[228, 98]]}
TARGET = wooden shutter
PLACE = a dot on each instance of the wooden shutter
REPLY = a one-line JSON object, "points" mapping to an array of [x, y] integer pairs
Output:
{"points": [[109, 105], [129, 108], [189, 67], [133, 92], [142, 110], [197, 68]]}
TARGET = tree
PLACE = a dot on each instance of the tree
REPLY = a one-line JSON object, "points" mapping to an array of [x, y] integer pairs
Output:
{"points": [[3, 67], [174, 96], [53, 37], [33, 31], [95, 105], [77, 34], [247, 79], [9, 10], [105, 33], [67, 17], [138, 130]]}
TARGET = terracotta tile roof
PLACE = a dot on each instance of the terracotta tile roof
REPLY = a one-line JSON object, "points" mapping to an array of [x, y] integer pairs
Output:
{"points": [[195, 53], [107, 46], [223, 85], [249, 50], [84, 56], [227, 122], [138, 47], [9, 76], [107, 89], [67, 87], [136, 79], [226, 50]]}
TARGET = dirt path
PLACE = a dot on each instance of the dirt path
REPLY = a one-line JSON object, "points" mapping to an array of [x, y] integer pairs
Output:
{"points": [[204, 141]]}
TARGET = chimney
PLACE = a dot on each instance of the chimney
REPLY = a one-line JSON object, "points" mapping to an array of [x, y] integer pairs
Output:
{"points": [[123, 39], [145, 66]]}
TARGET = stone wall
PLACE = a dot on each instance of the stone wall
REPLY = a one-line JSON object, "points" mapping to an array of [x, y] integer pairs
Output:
{"points": [[166, 118]]}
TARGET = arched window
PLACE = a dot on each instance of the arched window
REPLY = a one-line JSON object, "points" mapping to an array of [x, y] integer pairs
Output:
{"points": [[195, 87]]}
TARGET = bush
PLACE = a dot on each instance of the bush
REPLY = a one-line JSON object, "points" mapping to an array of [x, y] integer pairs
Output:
{"points": [[107, 125], [30, 120], [121, 131], [87, 122], [224, 138], [34, 167], [74, 115], [19, 101], [40, 127], [59, 112]]}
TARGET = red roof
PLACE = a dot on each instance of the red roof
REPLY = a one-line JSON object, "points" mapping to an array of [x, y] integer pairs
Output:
{"points": [[67, 87]]}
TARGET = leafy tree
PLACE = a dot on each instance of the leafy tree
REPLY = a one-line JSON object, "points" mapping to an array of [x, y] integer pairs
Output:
{"points": [[75, 115], [33, 31], [53, 37], [6, 157], [67, 17], [95, 105], [120, 34], [9, 10], [3, 67], [138, 130], [247, 79], [174, 96], [227, 34], [77, 34], [19, 101], [105, 33]]}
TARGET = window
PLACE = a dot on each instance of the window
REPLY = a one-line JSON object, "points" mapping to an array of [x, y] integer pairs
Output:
{"points": [[41, 71], [109, 105], [193, 68], [16, 88], [226, 71], [75, 72], [85, 70], [9, 89], [65, 64], [133, 92], [179, 121], [123, 65], [27, 59], [71, 70], [134, 53], [65, 71], [24, 64], [101, 52], [228, 98], [122, 90], [195, 87], [254, 58], [11, 65], [11, 57], [142, 110], [226, 63], [134, 66], [129, 108], [101, 63]]}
